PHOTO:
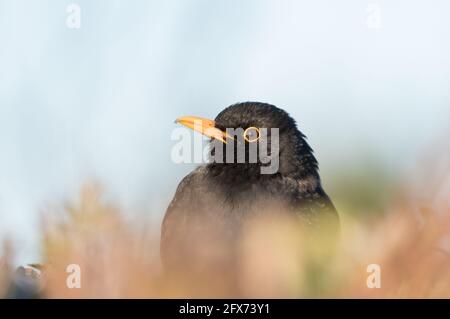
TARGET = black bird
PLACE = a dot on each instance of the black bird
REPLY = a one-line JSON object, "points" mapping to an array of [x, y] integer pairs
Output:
{"points": [[213, 202]]}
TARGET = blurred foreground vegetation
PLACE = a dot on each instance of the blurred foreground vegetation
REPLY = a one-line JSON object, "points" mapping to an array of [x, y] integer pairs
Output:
{"points": [[404, 230]]}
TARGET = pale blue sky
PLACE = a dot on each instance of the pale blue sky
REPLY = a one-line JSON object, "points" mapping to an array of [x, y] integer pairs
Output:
{"points": [[100, 101]]}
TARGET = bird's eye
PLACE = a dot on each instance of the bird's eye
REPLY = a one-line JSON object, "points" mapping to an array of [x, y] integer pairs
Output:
{"points": [[252, 134]]}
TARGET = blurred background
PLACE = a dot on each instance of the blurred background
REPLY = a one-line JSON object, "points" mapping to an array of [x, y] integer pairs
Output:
{"points": [[367, 81]]}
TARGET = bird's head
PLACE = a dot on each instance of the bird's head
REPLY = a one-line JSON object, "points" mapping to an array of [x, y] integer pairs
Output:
{"points": [[262, 128]]}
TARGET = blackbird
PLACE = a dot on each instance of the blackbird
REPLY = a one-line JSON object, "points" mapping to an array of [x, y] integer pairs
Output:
{"points": [[204, 221]]}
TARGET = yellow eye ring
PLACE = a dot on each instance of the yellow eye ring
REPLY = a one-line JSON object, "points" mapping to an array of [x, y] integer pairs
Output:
{"points": [[255, 139]]}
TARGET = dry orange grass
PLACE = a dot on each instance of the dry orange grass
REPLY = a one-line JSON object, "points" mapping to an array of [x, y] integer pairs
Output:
{"points": [[119, 261]]}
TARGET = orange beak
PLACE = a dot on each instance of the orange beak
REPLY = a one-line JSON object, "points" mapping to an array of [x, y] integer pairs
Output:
{"points": [[203, 126]]}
